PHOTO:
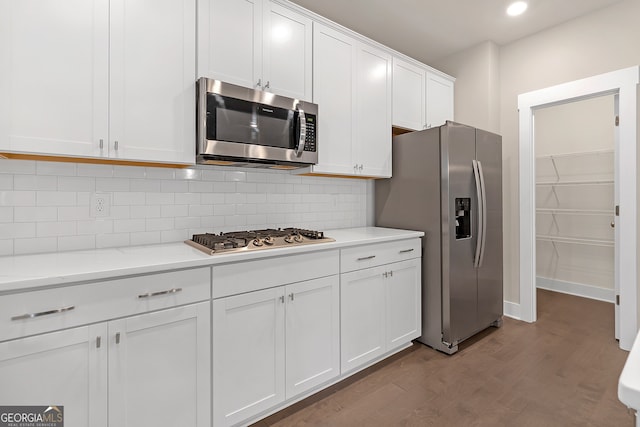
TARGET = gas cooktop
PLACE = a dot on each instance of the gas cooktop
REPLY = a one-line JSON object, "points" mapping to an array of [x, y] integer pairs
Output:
{"points": [[238, 241]]}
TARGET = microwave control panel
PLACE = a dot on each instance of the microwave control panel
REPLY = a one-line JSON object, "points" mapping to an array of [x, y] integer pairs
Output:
{"points": [[310, 140]]}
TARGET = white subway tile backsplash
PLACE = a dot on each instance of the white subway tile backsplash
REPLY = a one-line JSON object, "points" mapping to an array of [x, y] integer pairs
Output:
{"points": [[191, 174], [149, 205], [101, 226], [35, 214], [35, 182], [17, 198], [56, 168], [51, 229], [112, 240], [56, 198], [76, 243], [128, 225], [84, 169], [6, 247], [160, 173], [159, 224], [17, 166], [74, 213], [6, 182], [6, 214], [112, 184], [145, 238], [17, 230], [35, 246]]}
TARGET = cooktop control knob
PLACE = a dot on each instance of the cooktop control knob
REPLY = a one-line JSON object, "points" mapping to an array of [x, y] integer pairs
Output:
{"points": [[297, 238], [257, 242], [269, 240]]}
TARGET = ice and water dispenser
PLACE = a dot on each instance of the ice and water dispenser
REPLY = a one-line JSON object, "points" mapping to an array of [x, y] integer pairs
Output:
{"points": [[463, 218]]}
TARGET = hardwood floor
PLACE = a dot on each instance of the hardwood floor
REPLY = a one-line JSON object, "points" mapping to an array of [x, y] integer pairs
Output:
{"points": [[561, 371]]}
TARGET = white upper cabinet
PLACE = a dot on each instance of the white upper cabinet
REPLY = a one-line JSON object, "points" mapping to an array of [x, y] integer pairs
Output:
{"points": [[256, 43], [372, 149], [98, 79], [352, 87], [439, 100], [152, 112], [409, 92], [334, 68], [54, 76], [421, 99]]}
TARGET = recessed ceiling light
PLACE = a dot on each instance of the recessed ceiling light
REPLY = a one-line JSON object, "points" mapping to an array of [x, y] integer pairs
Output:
{"points": [[516, 8]]}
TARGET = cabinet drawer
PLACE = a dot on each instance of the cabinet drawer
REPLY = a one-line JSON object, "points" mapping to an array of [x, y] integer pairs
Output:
{"points": [[378, 254], [46, 310], [238, 278]]}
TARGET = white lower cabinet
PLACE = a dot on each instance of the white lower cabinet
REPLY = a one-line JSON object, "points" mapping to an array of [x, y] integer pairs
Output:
{"points": [[159, 368], [381, 304], [63, 368], [271, 345], [147, 370]]}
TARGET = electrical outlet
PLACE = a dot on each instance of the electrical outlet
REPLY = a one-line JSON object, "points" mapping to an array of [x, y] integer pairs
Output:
{"points": [[100, 205]]}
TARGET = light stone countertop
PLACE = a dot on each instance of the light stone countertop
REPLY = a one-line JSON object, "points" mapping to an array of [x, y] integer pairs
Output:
{"points": [[24, 272]]}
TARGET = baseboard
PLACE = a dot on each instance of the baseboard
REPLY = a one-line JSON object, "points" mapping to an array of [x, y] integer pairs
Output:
{"points": [[512, 309], [577, 289]]}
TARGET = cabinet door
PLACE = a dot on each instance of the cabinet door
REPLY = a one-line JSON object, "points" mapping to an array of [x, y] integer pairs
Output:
{"points": [[287, 47], [403, 302], [248, 355], [312, 333], [439, 100], [409, 90], [64, 368], [54, 76], [159, 368], [373, 112], [362, 313], [230, 41], [152, 110], [333, 74]]}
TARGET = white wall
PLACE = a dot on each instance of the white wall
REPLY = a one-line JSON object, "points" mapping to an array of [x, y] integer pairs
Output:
{"points": [[603, 41], [44, 206]]}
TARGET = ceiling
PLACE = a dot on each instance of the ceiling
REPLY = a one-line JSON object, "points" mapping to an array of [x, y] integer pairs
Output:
{"points": [[429, 30]]}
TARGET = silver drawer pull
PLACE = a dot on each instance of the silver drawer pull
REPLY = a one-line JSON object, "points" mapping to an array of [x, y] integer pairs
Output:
{"points": [[155, 294], [366, 257], [406, 250], [43, 313]]}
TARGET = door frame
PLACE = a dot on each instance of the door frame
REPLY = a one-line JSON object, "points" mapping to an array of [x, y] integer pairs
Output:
{"points": [[622, 83]]}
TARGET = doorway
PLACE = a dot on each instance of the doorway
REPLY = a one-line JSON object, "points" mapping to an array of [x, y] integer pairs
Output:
{"points": [[622, 84], [575, 197]]}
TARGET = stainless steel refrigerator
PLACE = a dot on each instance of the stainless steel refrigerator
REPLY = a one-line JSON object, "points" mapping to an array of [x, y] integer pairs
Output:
{"points": [[447, 182]]}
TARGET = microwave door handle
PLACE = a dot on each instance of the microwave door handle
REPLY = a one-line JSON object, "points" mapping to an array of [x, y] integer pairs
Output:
{"points": [[303, 132]]}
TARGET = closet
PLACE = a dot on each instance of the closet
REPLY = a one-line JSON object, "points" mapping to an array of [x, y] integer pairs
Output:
{"points": [[575, 189]]}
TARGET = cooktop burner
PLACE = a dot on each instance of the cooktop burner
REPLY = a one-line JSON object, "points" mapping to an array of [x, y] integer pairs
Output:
{"points": [[236, 241]]}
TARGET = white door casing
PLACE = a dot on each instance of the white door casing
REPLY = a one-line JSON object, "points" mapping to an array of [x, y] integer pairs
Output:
{"points": [[622, 83]]}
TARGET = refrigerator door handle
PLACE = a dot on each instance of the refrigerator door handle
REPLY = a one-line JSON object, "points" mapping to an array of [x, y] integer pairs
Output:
{"points": [[484, 214], [476, 174]]}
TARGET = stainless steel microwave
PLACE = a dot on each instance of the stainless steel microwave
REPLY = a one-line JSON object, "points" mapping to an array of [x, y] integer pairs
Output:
{"points": [[247, 127]]}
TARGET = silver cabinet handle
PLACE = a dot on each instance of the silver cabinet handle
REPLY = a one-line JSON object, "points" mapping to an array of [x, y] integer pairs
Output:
{"points": [[118, 338], [281, 299], [391, 273], [384, 274], [259, 84], [267, 85], [291, 296], [98, 342], [406, 251], [115, 145], [366, 257], [155, 294], [43, 313], [360, 168], [302, 138], [101, 143]]}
